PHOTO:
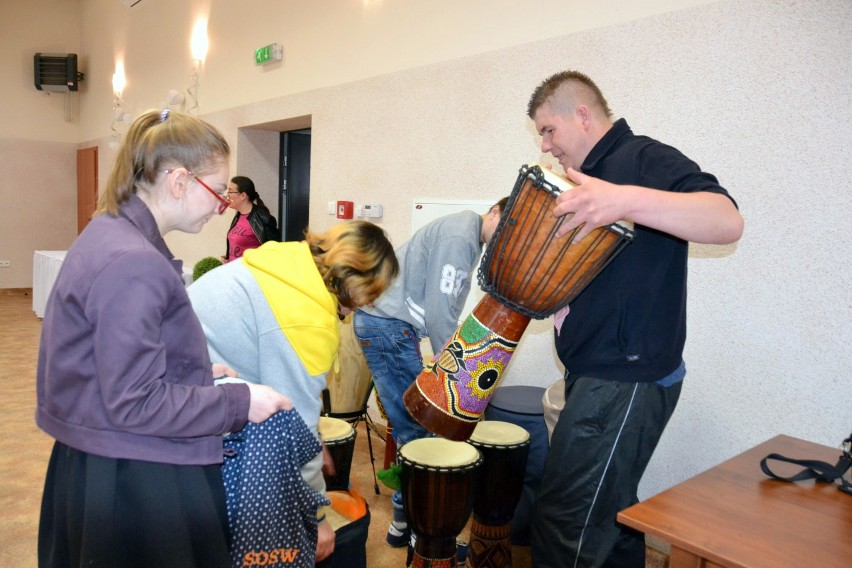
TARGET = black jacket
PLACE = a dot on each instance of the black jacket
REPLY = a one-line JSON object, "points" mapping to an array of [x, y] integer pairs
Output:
{"points": [[262, 224]]}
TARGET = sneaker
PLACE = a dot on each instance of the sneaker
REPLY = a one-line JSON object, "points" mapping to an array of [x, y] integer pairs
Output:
{"points": [[398, 538], [461, 551]]}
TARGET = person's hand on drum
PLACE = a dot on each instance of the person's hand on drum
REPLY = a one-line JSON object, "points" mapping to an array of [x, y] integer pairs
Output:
{"points": [[594, 203], [265, 401]]}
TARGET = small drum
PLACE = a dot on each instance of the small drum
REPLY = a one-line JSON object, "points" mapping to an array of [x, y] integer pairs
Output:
{"points": [[437, 478], [339, 437], [504, 448], [522, 406], [526, 273]]}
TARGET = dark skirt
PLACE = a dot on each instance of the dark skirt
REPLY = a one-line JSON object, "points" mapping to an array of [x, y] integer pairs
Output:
{"points": [[101, 512]]}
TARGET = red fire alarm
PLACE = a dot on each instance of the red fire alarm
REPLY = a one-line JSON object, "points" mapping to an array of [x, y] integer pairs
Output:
{"points": [[345, 209]]}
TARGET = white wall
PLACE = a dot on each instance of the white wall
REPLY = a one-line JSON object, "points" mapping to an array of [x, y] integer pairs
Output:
{"points": [[756, 91]]}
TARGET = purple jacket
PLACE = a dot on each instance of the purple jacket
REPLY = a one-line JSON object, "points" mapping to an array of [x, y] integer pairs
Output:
{"points": [[123, 370]]}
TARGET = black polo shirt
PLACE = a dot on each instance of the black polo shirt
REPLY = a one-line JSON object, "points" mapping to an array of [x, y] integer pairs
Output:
{"points": [[629, 324]]}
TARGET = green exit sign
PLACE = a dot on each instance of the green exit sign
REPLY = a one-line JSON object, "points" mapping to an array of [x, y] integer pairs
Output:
{"points": [[268, 53]]}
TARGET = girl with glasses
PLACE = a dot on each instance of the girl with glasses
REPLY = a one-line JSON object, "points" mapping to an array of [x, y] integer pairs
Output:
{"points": [[124, 379]]}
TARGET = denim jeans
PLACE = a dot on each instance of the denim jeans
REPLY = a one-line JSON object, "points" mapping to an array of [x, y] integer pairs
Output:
{"points": [[392, 350]]}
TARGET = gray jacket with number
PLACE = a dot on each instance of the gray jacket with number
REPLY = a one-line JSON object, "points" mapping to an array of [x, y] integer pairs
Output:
{"points": [[434, 281]]}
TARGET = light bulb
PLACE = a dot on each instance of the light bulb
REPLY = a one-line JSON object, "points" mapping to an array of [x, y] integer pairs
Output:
{"points": [[199, 41], [118, 79]]}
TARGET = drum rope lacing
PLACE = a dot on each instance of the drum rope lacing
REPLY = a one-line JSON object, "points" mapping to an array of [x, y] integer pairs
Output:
{"points": [[552, 297]]}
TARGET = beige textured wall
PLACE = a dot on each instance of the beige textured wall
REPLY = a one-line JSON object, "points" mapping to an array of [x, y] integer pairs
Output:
{"points": [[327, 42], [756, 91]]}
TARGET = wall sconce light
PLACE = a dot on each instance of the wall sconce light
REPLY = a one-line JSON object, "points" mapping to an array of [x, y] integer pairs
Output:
{"points": [[199, 45], [119, 115]]}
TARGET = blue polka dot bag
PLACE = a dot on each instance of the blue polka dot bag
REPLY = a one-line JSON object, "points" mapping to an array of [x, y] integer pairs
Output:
{"points": [[271, 509]]}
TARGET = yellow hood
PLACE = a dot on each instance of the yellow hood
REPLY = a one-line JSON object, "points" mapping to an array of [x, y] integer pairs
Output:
{"points": [[303, 306]]}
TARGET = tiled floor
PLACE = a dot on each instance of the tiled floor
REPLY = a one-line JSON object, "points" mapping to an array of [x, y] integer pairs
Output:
{"points": [[24, 452]]}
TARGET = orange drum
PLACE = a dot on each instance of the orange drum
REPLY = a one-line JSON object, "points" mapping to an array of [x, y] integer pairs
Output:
{"points": [[437, 478], [526, 273]]}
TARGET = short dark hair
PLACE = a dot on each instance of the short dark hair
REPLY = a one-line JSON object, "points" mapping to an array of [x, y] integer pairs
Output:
{"points": [[565, 85]]}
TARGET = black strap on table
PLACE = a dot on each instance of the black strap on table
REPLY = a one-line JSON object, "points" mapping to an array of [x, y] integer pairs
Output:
{"points": [[819, 470]]}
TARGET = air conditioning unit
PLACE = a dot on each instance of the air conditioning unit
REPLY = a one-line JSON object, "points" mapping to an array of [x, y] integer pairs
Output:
{"points": [[56, 72]]}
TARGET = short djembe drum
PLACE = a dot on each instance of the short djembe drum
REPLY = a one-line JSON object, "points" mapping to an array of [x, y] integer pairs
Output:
{"points": [[504, 448], [437, 479], [526, 272], [339, 438]]}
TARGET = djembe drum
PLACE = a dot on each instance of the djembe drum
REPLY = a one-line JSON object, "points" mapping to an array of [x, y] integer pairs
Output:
{"points": [[504, 448], [339, 438], [437, 478], [526, 273], [349, 382]]}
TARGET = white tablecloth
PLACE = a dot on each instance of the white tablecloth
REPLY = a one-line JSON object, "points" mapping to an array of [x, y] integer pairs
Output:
{"points": [[46, 265]]}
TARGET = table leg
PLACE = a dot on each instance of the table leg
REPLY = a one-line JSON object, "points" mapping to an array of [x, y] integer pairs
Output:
{"points": [[681, 558]]}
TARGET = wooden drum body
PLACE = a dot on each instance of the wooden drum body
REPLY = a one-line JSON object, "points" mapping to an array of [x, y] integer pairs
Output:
{"points": [[437, 478], [526, 273], [350, 383], [339, 438], [504, 448]]}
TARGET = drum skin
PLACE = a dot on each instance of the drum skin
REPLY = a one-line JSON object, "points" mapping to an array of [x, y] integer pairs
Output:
{"points": [[527, 272], [438, 498]]}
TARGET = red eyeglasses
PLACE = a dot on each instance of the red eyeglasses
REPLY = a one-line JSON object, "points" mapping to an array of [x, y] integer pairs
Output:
{"points": [[223, 203]]}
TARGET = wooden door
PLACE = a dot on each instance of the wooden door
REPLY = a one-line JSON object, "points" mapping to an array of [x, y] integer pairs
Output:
{"points": [[87, 186]]}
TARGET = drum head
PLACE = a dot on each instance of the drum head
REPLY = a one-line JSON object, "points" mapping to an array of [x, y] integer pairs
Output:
{"points": [[439, 453], [560, 183], [331, 429], [498, 433]]}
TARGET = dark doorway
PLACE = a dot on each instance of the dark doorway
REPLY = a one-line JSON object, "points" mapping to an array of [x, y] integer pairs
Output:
{"points": [[294, 183]]}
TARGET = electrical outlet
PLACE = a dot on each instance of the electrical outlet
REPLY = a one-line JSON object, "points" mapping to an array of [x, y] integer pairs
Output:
{"points": [[5, 263]]}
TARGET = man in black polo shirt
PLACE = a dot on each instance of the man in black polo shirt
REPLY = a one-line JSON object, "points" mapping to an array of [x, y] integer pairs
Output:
{"points": [[622, 340]]}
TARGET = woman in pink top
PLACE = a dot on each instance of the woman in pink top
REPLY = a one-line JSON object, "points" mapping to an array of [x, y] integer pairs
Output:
{"points": [[253, 224]]}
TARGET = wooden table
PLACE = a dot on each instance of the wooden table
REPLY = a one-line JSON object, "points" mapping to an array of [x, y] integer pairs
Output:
{"points": [[733, 515]]}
